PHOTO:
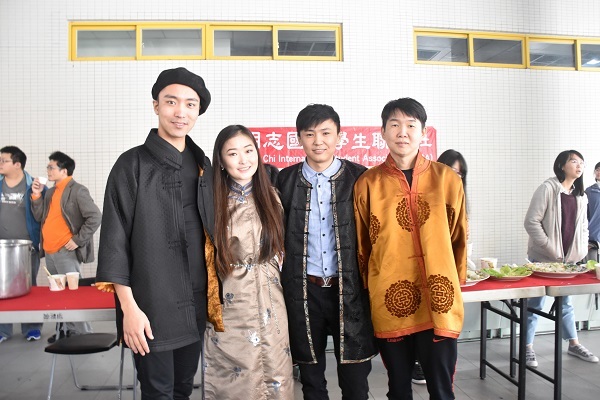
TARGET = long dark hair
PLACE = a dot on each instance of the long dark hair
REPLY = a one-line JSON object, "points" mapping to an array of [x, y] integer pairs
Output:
{"points": [[561, 160], [265, 198], [449, 157]]}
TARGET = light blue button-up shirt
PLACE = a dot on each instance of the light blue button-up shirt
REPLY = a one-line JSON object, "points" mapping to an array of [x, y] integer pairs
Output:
{"points": [[322, 257]]}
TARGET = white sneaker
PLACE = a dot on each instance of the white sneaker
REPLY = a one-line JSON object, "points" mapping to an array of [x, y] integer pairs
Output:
{"points": [[530, 359], [3, 338], [583, 353]]}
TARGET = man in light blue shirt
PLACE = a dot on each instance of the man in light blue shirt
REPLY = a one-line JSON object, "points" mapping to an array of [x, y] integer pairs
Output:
{"points": [[323, 290], [322, 259]]}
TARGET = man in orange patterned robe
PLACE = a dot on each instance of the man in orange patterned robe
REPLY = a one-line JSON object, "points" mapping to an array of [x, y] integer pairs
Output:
{"points": [[412, 244]]}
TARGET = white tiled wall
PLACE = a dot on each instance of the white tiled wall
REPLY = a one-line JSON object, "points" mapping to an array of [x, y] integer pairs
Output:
{"points": [[510, 124]]}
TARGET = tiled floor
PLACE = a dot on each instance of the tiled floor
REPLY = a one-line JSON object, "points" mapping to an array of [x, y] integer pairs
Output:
{"points": [[25, 372]]}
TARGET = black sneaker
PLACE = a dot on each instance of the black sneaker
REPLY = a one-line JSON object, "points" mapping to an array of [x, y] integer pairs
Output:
{"points": [[417, 375]]}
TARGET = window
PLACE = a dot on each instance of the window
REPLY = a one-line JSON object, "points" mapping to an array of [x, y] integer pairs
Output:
{"points": [[442, 48], [544, 53], [505, 50], [590, 56], [242, 42], [93, 41], [172, 43], [298, 44], [498, 50], [106, 43]]}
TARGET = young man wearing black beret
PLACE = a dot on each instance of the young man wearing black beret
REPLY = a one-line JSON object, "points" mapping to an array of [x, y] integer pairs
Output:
{"points": [[156, 248]]}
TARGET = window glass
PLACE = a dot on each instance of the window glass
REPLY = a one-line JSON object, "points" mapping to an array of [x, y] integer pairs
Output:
{"points": [[442, 49], [170, 42], [234, 43], [545, 54], [498, 51], [306, 43], [106, 43], [590, 55]]}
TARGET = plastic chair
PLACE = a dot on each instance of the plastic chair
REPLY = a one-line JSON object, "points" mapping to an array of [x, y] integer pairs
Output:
{"points": [[85, 344], [88, 344]]}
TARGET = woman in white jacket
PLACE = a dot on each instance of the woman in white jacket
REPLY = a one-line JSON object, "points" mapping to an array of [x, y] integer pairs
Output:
{"points": [[556, 222]]}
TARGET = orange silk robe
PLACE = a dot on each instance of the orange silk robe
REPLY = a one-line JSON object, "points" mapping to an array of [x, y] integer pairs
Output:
{"points": [[412, 247]]}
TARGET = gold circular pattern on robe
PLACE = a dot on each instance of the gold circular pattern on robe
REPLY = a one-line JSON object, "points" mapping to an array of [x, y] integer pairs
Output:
{"points": [[403, 215], [450, 212], [374, 227], [402, 299], [442, 293]]}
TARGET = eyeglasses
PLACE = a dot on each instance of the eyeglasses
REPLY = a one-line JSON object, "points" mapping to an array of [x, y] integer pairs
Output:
{"points": [[574, 161], [5, 161], [51, 167]]}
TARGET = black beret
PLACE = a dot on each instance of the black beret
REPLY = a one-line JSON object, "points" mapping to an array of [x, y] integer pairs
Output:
{"points": [[183, 77]]}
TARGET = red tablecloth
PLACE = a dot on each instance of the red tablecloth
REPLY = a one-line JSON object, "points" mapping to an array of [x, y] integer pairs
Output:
{"points": [[41, 298], [533, 280]]}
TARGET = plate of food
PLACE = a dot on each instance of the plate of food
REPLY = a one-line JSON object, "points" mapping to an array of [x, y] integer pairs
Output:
{"points": [[508, 272], [474, 277], [557, 270]]}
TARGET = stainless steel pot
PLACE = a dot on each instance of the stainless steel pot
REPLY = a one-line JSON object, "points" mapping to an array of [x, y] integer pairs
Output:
{"points": [[15, 268]]}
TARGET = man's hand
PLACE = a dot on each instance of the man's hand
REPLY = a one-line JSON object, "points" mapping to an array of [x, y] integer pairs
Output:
{"points": [[136, 327], [71, 245], [36, 187]]}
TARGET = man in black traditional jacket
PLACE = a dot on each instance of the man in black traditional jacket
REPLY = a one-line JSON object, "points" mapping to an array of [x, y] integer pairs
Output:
{"points": [[323, 290], [156, 242]]}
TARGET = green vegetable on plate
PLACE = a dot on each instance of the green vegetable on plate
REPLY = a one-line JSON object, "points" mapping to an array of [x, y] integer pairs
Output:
{"points": [[507, 270]]}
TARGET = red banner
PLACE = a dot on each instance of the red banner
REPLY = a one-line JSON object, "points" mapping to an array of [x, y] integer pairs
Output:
{"points": [[360, 144]]}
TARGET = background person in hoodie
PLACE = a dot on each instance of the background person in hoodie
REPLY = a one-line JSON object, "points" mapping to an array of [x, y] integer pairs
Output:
{"points": [[557, 225], [17, 222], [593, 211]]}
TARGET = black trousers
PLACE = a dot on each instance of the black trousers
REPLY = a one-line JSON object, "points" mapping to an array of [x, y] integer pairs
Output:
{"points": [[166, 375], [324, 314], [437, 356]]}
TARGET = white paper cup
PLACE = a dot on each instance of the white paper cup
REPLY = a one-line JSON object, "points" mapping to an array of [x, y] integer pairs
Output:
{"points": [[73, 280], [488, 262], [54, 282], [598, 270], [43, 180]]}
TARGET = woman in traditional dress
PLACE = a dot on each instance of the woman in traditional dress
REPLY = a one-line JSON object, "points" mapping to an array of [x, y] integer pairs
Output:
{"points": [[251, 358]]}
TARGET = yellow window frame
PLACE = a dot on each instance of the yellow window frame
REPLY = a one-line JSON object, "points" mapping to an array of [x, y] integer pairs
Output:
{"points": [[309, 27], [530, 39], [444, 34], [519, 38], [210, 43], [170, 26], [207, 45], [578, 50], [74, 28]]}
